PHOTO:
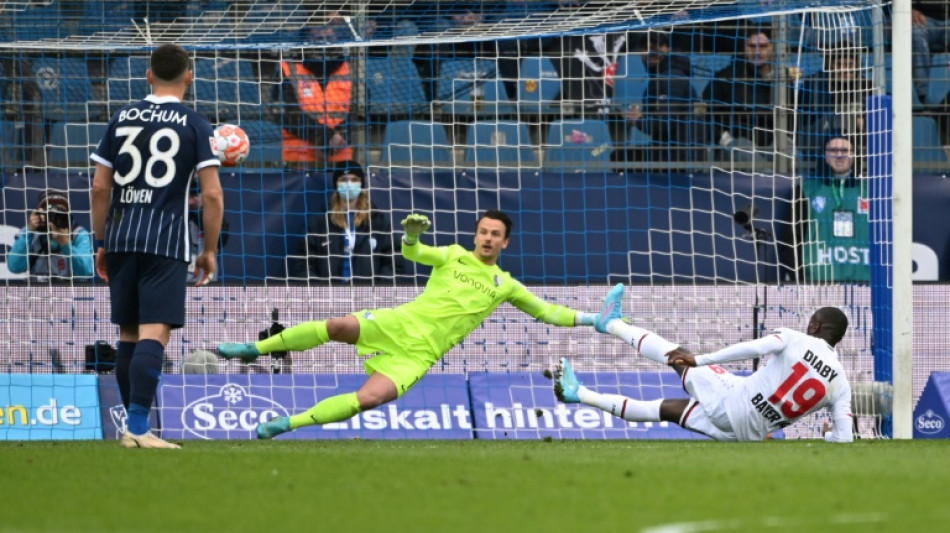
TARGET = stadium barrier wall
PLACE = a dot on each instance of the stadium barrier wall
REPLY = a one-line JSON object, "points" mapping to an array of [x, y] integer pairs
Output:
{"points": [[49, 407], [519, 405], [268, 215], [111, 411], [933, 409], [495, 406]]}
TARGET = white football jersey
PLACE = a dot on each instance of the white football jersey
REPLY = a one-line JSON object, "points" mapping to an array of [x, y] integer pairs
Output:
{"points": [[802, 376]]}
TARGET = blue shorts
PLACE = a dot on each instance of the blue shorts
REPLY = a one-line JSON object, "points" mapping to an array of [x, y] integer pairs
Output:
{"points": [[147, 289]]}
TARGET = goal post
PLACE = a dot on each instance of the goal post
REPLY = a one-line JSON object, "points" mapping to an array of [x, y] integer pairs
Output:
{"points": [[902, 288], [634, 142]]}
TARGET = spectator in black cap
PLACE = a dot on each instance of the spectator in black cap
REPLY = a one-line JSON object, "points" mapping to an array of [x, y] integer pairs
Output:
{"points": [[50, 245], [351, 241]]}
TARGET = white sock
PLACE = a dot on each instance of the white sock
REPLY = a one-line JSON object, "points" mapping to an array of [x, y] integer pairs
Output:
{"points": [[621, 406], [651, 345]]}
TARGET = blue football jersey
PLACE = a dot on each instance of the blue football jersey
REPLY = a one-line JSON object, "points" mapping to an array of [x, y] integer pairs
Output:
{"points": [[154, 147]]}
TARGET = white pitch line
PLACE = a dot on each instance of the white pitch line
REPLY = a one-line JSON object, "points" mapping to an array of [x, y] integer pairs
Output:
{"points": [[765, 522]]}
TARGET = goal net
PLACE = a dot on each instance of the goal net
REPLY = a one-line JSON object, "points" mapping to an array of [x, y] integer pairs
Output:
{"points": [[727, 160]]}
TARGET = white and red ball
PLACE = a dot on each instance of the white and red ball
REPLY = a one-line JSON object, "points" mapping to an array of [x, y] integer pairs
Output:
{"points": [[231, 145]]}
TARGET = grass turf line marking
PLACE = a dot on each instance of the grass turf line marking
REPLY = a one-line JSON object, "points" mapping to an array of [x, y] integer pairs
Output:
{"points": [[767, 522]]}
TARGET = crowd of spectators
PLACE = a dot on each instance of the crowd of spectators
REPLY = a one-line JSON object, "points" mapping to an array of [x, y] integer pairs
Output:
{"points": [[730, 118]]}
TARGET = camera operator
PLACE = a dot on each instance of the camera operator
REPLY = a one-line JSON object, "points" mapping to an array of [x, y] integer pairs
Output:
{"points": [[49, 245]]}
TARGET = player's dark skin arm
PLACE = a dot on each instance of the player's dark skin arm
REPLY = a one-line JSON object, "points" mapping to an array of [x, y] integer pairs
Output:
{"points": [[672, 410]]}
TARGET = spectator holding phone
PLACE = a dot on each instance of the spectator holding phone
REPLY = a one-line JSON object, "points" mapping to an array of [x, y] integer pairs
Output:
{"points": [[51, 244]]}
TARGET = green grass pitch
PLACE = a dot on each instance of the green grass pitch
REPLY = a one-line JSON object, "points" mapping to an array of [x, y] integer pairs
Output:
{"points": [[477, 486]]}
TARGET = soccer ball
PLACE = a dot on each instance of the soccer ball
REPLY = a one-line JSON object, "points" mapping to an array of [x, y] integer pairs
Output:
{"points": [[231, 145]]}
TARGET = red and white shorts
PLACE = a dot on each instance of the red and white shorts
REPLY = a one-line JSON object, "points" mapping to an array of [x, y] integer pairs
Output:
{"points": [[708, 387]]}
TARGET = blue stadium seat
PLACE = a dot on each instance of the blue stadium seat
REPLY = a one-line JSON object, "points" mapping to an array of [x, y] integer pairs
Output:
{"points": [[632, 79], [107, 16], [927, 146], [64, 82], [127, 80], [584, 143], [939, 78], [539, 86], [39, 22], [404, 28], [416, 144], [462, 81], [221, 86], [499, 144], [71, 144], [394, 88], [8, 144], [495, 99], [266, 143], [636, 137]]}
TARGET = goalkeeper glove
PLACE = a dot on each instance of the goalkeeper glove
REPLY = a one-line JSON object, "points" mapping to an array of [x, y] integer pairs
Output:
{"points": [[414, 225]]}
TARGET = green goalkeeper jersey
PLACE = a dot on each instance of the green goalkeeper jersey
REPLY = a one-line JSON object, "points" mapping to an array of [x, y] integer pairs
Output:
{"points": [[462, 291]]}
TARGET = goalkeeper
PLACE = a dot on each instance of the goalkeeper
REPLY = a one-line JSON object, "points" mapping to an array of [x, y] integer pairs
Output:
{"points": [[464, 288]]}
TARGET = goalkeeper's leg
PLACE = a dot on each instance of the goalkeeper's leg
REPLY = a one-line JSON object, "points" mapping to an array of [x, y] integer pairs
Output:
{"points": [[297, 338], [375, 391]]}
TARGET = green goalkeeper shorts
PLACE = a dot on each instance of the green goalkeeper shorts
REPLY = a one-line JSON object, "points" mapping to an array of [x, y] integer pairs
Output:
{"points": [[400, 353]]}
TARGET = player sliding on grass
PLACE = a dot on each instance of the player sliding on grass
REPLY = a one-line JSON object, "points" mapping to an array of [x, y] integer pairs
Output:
{"points": [[464, 288], [804, 375]]}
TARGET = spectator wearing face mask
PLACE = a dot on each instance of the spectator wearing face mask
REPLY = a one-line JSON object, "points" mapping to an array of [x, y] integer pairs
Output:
{"points": [[351, 242]]}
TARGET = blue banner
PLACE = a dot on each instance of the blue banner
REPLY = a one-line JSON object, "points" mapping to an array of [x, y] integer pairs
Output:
{"points": [[49, 407], [933, 408], [113, 412], [230, 407], [522, 406]]}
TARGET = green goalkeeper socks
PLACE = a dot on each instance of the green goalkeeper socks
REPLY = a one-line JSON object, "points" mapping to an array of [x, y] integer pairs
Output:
{"points": [[333, 409], [297, 338]]}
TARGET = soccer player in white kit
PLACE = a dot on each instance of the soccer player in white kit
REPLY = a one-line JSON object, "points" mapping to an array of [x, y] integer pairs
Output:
{"points": [[802, 376]]}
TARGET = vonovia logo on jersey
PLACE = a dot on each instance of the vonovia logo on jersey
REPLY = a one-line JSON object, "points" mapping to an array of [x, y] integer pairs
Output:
{"points": [[930, 422], [232, 410]]}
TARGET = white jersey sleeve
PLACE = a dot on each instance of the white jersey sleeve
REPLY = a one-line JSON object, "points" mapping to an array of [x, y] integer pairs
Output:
{"points": [[773, 343], [843, 422]]}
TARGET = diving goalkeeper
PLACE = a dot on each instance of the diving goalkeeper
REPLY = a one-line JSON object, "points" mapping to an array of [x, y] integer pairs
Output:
{"points": [[464, 288]]}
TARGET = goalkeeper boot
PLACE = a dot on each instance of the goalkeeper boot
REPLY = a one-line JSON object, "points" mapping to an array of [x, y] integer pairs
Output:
{"points": [[149, 440], [611, 309], [273, 427], [245, 350], [566, 384]]}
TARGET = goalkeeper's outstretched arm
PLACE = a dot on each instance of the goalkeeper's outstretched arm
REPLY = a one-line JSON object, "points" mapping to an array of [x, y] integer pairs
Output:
{"points": [[548, 313]]}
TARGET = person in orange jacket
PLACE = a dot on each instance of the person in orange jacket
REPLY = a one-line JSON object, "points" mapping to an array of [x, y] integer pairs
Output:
{"points": [[316, 93]]}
